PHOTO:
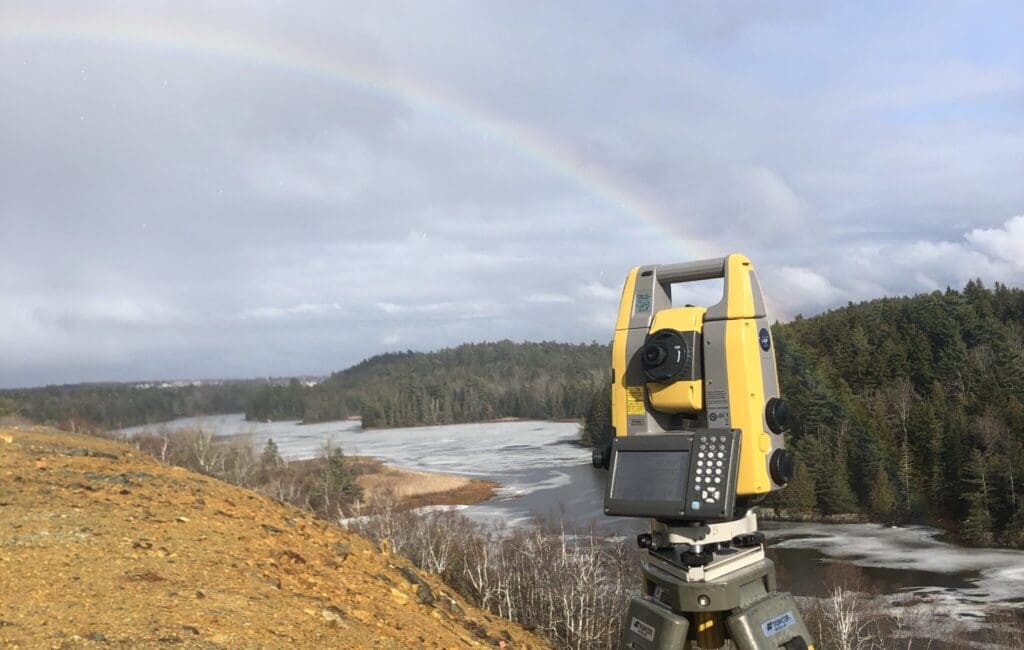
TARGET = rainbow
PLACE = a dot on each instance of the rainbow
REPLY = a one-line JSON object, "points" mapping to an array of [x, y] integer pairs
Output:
{"points": [[531, 144]]}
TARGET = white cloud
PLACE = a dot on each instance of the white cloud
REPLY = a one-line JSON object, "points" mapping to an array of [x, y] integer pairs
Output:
{"points": [[600, 291], [1006, 244], [547, 298]]}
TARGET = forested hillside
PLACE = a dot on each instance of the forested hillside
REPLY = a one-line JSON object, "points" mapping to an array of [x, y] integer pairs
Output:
{"points": [[912, 408], [472, 382], [113, 406]]}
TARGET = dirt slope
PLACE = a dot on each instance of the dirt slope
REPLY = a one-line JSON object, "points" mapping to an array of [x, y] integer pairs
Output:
{"points": [[103, 547]]}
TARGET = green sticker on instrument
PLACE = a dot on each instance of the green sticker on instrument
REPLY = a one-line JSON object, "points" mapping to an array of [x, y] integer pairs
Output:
{"points": [[643, 303]]}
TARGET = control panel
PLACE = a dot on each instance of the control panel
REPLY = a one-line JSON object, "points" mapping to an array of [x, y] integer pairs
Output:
{"points": [[713, 473], [674, 477]]}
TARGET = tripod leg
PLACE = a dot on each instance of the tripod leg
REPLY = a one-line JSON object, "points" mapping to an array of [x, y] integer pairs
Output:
{"points": [[649, 626], [710, 630], [770, 623]]}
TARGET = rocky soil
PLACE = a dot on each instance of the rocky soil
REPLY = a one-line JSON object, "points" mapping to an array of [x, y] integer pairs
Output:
{"points": [[102, 547]]}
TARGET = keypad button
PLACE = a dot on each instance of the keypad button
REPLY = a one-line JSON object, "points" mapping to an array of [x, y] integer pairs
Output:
{"points": [[700, 454], [721, 455], [718, 479]]}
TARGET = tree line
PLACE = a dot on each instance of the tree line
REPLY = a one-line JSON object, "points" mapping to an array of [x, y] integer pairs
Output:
{"points": [[119, 405], [468, 383]]}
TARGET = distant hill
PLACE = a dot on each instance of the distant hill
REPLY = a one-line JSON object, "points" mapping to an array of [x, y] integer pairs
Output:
{"points": [[471, 382], [118, 405]]}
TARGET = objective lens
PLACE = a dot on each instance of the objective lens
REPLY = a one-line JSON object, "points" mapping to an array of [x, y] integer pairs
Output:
{"points": [[654, 355]]}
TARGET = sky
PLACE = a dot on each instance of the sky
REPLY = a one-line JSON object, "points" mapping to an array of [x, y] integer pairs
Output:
{"points": [[232, 189]]}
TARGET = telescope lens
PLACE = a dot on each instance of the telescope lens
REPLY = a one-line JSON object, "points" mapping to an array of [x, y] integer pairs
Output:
{"points": [[665, 357], [654, 354]]}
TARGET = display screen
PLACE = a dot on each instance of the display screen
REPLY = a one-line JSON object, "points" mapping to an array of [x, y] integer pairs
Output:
{"points": [[650, 475]]}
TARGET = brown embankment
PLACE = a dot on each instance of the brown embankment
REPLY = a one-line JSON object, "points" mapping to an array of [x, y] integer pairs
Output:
{"points": [[102, 546]]}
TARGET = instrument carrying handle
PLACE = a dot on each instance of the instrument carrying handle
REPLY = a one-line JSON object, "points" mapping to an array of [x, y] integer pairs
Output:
{"points": [[692, 271]]}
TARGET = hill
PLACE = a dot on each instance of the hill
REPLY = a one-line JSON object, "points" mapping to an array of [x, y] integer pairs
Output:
{"points": [[118, 405], [912, 409], [101, 546], [468, 383]]}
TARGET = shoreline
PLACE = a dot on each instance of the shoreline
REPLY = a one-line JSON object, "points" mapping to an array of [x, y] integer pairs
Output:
{"points": [[408, 489]]}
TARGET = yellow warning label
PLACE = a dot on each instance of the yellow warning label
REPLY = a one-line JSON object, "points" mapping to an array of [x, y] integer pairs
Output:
{"points": [[635, 400]]}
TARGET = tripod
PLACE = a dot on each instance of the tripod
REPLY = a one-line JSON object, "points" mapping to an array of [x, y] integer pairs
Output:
{"points": [[703, 584]]}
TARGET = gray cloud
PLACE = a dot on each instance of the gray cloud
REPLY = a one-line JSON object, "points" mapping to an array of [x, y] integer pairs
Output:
{"points": [[169, 208]]}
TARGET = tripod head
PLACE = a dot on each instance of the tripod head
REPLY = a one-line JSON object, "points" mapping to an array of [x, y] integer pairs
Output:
{"points": [[696, 410]]}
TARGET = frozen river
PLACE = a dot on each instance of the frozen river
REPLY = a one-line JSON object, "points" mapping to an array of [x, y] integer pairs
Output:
{"points": [[543, 474]]}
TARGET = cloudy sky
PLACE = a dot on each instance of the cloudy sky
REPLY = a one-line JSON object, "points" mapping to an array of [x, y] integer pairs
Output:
{"points": [[217, 189]]}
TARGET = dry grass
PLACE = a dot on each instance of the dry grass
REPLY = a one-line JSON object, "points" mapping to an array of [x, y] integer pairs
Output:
{"points": [[403, 483]]}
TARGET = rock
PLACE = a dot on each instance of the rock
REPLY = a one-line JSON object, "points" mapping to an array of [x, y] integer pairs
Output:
{"points": [[293, 556], [143, 544], [334, 616], [399, 596], [96, 636], [200, 593], [273, 530], [424, 593], [145, 576], [6, 438], [453, 606], [274, 581], [190, 628], [182, 520], [342, 549]]}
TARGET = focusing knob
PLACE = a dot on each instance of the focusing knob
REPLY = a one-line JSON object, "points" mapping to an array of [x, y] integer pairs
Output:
{"points": [[748, 539], [645, 540], [692, 559], [776, 413], [665, 356], [600, 457], [781, 466]]}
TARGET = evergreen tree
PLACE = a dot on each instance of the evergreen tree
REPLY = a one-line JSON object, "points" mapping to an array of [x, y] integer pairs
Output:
{"points": [[338, 483], [883, 496], [270, 459], [800, 494], [597, 430], [977, 527]]}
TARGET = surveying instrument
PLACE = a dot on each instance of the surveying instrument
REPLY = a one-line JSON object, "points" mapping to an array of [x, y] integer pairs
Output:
{"points": [[698, 425]]}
